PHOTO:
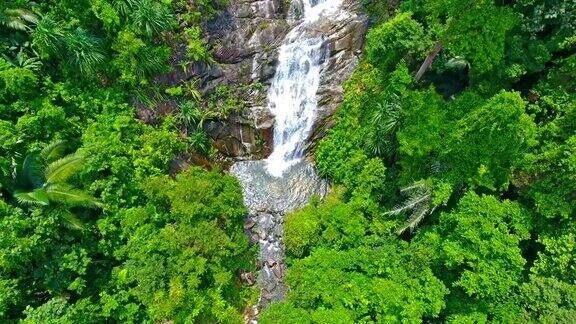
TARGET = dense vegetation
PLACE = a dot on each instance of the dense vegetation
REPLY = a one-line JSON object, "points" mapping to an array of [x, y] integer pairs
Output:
{"points": [[92, 228], [454, 194]]}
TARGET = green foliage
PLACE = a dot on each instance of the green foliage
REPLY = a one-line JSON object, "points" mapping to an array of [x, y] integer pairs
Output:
{"points": [[484, 49], [135, 61], [196, 45], [558, 258], [473, 29], [182, 259], [395, 39], [158, 248], [364, 284], [485, 145], [18, 19], [548, 300], [478, 158], [489, 247], [150, 17], [79, 50], [555, 17], [548, 172], [126, 151], [554, 196], [420, 139], [334, 222], [44, 180], [17, 82]]}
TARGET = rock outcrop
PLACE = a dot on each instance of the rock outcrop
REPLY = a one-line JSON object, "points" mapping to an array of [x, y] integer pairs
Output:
{"points": [[245, 40]]}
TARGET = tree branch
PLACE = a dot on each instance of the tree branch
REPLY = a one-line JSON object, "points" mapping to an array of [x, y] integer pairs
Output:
{"points": [[429, 60]]}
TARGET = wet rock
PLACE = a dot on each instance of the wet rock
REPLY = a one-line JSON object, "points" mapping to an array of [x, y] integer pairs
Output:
{"points": [[245, 40], [248, 278], [278, 271], [268, 199], [249, 223], [259, 264], [264, 193], [346, 42]]}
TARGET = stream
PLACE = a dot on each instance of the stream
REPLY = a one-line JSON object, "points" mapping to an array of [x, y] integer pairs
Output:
{"points": [[286, 181]]}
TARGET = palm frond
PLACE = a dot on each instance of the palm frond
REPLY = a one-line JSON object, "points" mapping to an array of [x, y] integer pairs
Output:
{"points": [[151, 18], [67, 195], [416, 206], [413, 221], [37, 197], [390, 117], [30, 63], [64, 168], [16, 24], [409, 204], [32, 170], [48, 37], [84, 52], [18, 19], [25, 15], [53, 150], [73, 220], [414, 186]]}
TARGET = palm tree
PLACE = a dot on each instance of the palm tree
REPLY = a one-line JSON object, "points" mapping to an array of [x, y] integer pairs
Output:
{"points": [[417, 205], [85, 52], [150, 18], [18, 19], [124, 6], [42, 180], [78, 49], [386, 120], [48, 37]]}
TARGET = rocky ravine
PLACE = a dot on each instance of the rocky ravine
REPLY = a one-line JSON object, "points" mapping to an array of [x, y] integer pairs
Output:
{"points": [[267, 197], [245, 40]]}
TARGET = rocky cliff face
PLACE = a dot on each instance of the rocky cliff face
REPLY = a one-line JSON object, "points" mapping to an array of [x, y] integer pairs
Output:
{"points": [[245, 40]]}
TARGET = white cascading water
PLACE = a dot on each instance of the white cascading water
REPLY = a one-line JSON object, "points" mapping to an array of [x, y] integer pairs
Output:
{"points": [[292, 95]]}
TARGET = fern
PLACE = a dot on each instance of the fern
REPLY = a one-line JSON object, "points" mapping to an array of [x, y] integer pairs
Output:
{"points": [[74, 221], [23, 61]]}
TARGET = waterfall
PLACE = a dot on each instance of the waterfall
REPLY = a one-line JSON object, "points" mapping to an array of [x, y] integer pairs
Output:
{"points": [[285, 181], [292, 95]]}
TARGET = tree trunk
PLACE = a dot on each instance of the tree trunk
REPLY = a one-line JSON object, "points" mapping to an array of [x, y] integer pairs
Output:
{"points": [[429, 60]]}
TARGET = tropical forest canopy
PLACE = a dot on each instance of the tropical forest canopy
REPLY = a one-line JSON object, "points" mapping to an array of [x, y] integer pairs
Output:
{"points": [[452, 161]]}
